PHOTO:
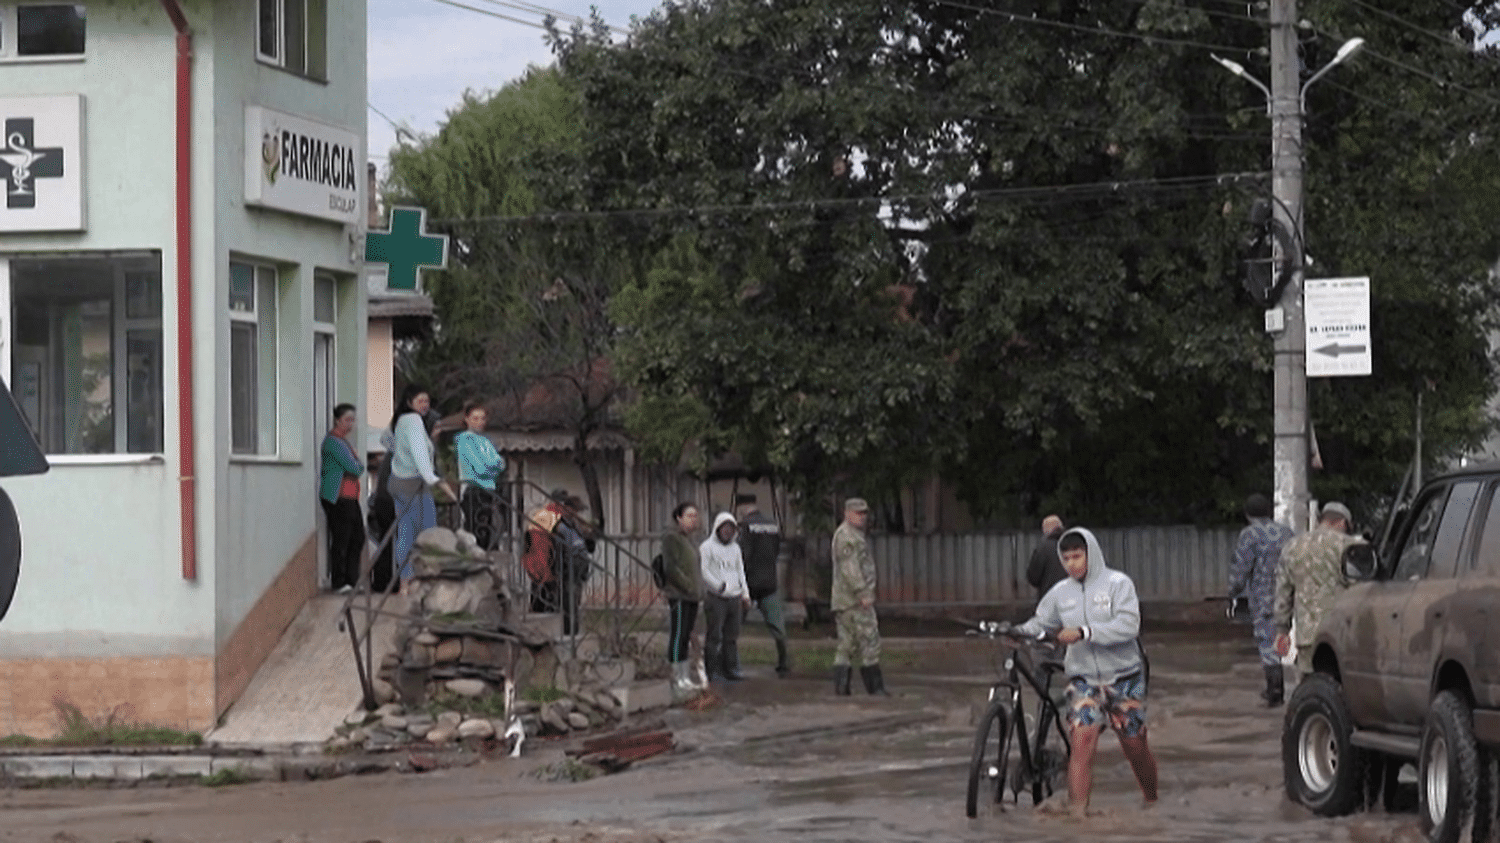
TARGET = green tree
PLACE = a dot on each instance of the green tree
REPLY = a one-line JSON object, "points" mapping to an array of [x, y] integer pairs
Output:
{"points": [[524, 304], [1063, 184]]}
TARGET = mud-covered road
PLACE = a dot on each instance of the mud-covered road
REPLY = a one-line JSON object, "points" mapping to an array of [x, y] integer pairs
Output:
{"points": [[782, 760]]}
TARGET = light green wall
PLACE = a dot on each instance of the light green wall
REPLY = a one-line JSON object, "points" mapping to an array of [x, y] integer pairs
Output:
{"points": [[283, 495], [102, 572]]}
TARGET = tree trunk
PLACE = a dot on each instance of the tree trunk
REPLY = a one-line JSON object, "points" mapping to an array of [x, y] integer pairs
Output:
{"points": [[590, 475]]}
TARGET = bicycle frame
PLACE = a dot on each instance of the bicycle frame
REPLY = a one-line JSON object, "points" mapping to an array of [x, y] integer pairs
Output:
{"points": [[1048, 716]]}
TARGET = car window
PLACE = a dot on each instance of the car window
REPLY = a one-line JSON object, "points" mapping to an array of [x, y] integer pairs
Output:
{"points": [[1450, 532], [1411, 561], [1489, 540]]}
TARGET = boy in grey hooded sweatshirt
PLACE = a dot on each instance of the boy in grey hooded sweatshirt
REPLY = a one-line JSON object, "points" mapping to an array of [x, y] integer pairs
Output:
{"points": [[1096, 613]]}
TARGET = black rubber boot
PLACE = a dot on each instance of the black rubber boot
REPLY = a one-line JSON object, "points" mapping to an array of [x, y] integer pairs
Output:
{"points": [[842, 673], [1275, 692], [874, 682], [783, 665]]}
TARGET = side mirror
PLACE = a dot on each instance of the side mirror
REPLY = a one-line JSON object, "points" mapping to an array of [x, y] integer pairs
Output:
{"points": [[1360, 562]]}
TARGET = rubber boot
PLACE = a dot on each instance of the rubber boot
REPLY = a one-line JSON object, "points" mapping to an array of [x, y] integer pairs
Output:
{"points": [[842, 673], [874, 682], [1275, 692], [683, 687], [783, 665]]}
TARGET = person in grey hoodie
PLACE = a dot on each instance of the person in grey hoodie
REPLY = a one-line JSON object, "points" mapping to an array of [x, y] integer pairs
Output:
{"points": [[1096, 613], [725, 599]]}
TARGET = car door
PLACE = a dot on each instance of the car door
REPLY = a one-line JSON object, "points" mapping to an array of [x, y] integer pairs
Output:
{"points": [[1427, 614], [1371, 663], [1472, 638]]}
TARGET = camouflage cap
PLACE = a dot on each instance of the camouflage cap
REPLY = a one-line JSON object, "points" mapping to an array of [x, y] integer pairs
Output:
{"points": [[856, 505], [1336, 508]]}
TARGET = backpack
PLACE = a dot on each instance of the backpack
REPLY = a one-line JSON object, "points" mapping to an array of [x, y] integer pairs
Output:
{"points": [[659, 571]]}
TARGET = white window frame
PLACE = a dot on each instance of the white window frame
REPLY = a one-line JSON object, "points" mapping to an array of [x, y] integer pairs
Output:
{"points": [[267, 441], [121, 325], [10, 34], [311, 67], [325, 330]]}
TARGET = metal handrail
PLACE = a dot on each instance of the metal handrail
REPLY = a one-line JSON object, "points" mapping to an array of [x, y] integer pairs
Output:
{"points": [[361, 635]]}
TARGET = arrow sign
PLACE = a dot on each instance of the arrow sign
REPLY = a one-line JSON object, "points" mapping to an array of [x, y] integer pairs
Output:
{"points": [[1336, 349], [1336, 316], [406, 248]]}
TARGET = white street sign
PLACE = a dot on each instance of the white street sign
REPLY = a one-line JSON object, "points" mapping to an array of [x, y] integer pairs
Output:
{"points": [[1336, 312]]}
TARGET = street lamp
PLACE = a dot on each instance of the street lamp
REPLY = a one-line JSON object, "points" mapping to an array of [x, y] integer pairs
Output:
{"points": [[1285, 102]]}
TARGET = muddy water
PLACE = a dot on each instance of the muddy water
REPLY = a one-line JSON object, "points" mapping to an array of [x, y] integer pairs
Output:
{"points": [[781, 761]]}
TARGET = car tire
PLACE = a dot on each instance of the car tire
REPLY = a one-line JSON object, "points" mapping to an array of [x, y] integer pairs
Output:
{"points": [[1323, 770], [1448, 772]]}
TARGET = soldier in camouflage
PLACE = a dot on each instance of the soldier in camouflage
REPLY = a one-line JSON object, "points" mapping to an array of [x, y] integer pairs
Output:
{"points": [[1309, 578], [1252, 573], [853, 602]]}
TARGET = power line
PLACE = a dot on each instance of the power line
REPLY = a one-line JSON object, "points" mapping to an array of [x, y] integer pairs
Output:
{"points": [[555, 13], [1083, 190], [480, 11], [1075, 27], [1409, 25]]}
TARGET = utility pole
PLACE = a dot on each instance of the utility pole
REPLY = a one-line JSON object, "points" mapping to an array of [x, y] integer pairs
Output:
{"points": [[1290, 450]]}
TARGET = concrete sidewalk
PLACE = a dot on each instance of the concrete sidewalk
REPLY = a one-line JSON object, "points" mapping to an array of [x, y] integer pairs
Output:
{"points": [[308, 685]]}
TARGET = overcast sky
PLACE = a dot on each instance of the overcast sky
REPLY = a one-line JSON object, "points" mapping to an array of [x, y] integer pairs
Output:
{"points": [[423, 54]]}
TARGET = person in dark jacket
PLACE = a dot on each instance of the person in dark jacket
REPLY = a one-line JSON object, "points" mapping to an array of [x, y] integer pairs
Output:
{"points": [[760, 543], [683, 589], [1044, 570]]}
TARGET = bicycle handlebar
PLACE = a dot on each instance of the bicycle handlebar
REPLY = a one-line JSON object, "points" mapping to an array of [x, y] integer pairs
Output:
{"points": [[1004, 629]]}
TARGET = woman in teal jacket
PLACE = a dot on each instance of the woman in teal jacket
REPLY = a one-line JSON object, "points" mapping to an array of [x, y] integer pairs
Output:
{"points": [[479, 467], [338, 492]]}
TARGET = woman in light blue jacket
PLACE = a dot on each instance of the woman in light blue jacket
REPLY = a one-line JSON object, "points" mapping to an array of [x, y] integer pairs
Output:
{"points": [[413, 474], [479, 467]]}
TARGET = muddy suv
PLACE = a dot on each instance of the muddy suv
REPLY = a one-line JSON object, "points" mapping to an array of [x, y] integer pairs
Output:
{"points": [[1406, 667]]}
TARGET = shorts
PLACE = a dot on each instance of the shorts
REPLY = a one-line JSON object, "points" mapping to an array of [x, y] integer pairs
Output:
{"points": [[1122, 701]]}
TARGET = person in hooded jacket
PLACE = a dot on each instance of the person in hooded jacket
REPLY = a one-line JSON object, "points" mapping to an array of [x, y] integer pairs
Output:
{"points": [[725, 599], [1096, 613]]}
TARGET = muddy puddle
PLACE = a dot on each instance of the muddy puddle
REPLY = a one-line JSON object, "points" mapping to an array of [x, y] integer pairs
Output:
{"points": [[782, 760]]}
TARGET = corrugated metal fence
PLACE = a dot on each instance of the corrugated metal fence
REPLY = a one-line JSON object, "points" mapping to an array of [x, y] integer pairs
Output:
{"points": [[1166, 563]]}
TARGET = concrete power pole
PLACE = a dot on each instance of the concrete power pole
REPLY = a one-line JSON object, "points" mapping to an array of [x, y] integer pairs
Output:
{"points": [[1290, 453]]}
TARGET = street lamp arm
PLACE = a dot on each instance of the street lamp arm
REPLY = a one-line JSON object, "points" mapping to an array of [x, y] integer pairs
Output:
{"points": [[1352, 46], [1238, 70]]}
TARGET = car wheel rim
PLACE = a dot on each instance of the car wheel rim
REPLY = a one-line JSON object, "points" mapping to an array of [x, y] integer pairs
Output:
{"points": [[1318, 753], [1436, 777]]}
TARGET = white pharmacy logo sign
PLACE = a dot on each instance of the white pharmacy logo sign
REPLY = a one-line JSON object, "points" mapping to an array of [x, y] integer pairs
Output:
{"points": [[41, 163], [1336, 312], [302, 166]]}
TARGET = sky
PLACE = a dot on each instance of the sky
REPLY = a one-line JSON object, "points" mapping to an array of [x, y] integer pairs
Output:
{"points": [[423, 54]]}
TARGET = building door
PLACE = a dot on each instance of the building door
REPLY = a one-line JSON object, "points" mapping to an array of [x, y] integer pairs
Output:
{"points": [[324, 384]]}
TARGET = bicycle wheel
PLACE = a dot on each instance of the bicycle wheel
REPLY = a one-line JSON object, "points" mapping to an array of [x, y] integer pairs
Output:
{"points": [[987, 766]]}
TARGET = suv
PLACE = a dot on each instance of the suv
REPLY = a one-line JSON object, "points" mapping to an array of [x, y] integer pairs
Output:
{"points": [[1406, 667]]}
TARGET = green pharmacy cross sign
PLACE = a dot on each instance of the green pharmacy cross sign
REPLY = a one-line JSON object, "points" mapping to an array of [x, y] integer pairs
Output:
{"points": [[406, 248]]}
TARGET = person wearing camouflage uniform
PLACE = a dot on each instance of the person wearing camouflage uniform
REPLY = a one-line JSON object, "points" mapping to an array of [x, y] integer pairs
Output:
{"points": [[853, 602], [1252, 573], [1309, 578]]}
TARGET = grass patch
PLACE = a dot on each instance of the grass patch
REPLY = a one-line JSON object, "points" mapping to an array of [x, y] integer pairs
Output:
{"points": [[543, 694], [113, 729], [489, 705], [567, 770], [226, 777]]}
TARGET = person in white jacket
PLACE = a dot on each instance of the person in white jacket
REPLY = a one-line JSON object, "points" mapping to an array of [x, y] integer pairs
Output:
{"points": [[725, 599]]}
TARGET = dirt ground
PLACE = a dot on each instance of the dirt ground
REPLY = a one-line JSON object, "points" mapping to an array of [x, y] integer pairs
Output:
{"points": [[782, 760]]}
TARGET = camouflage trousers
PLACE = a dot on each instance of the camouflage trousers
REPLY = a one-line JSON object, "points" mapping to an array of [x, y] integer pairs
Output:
{"points": [[859, 630]]}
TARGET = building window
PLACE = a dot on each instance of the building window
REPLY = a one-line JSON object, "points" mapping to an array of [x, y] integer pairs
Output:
{"points": [[37, 30], [253, 297], [324, 360], [292, 35], [86, 364]]}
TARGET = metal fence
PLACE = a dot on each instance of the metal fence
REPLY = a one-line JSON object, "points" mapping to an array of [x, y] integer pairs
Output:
{"points": [[1166, 563]]}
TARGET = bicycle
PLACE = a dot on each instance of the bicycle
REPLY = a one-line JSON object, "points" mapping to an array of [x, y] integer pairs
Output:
{"points": [[1004, 753]]}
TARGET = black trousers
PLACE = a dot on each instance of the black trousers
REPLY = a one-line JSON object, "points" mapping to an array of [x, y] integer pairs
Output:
{"points": [[480, 508], [346, 540], [683, 614], [558, 596], [721, 636]]}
